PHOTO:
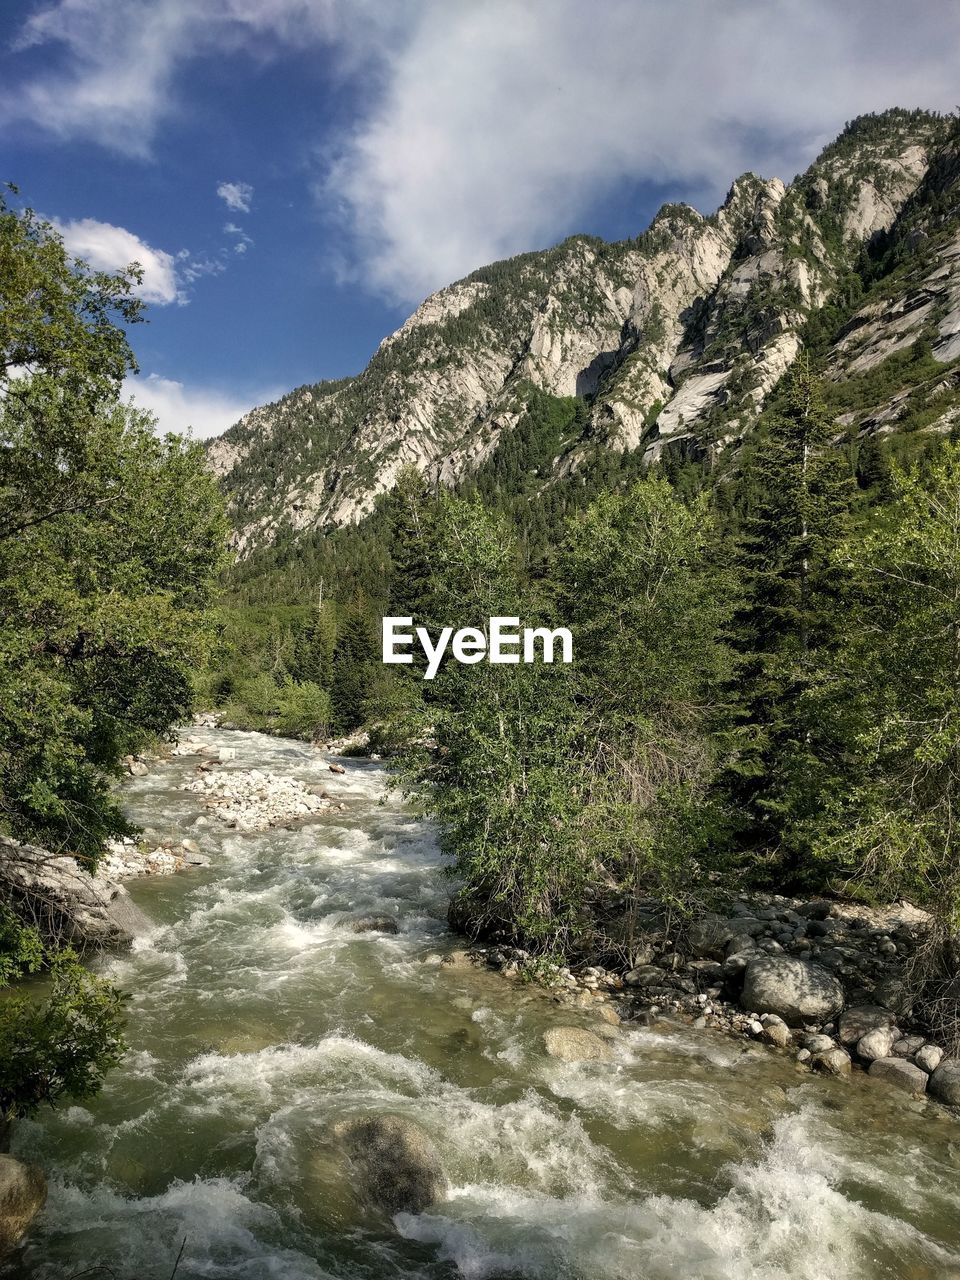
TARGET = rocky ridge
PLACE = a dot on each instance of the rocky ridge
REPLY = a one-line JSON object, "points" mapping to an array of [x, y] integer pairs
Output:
{"points": [[674, 340]]}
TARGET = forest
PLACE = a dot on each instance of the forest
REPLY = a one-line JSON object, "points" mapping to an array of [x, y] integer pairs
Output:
{"points": [[765, 686]]}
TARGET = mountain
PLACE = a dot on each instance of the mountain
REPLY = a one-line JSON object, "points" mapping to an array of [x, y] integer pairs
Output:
{"points": [[673, 340]]}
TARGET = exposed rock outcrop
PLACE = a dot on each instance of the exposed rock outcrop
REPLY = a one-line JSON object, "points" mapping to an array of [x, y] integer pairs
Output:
{"points": [[674, 339], [68, 905]]}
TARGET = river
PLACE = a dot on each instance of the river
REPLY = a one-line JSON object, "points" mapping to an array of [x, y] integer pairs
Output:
{"points": [[258, 1019]]}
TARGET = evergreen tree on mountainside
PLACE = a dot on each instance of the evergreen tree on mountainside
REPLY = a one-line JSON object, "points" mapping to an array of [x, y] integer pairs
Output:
{"points": [[314, 647], [355, 662], [411, 516], [800, 491], [874, 469]]}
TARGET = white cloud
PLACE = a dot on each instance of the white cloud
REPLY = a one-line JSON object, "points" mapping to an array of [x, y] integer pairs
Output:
{"points": [[236, 195], [108, 248], [500, 124], [116, 83], [177, 407], [242, 242], [491, 128]]}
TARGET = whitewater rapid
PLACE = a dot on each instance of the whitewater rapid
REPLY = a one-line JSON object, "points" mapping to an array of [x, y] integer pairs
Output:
{"points": [[258, 1019]]}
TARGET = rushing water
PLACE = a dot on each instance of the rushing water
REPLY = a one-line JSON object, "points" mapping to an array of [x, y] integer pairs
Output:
{"points": [[259, 1019]]}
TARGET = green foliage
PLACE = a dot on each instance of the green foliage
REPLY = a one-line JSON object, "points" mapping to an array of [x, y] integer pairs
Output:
{"points": [[110, 544], [21, 947], [503, 780], [57, 317], [61, 1046], [566, 792], [305, 711], [354, 662], [894, 695]]}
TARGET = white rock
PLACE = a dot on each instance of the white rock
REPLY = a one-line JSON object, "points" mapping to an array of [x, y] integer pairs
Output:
{"points": [[928, 1058]]}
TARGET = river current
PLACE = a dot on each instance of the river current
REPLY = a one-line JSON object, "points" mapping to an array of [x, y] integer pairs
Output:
{"points": [[259, 1018]]}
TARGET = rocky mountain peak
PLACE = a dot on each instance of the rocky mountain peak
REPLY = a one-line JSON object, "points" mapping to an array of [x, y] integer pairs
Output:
{"points": [[672, 340]]}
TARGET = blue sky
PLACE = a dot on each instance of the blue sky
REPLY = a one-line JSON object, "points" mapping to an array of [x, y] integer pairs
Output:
{"points": [[296, 175]]}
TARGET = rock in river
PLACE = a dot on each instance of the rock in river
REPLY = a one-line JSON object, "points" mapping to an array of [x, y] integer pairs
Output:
{"points": [[857, 1022], [794, 989], [877, 1043], [900, 1073], [23, 1193], [397, 1165], [374, 924], [574, 1044]]}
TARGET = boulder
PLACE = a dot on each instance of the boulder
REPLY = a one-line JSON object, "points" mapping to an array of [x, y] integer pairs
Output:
{"points": [[877, 1043], [834, 1062], [67, 904], [374, 924], [906, 1047], [818, 910], [892, 994], [706, 972], [608, 1014], [644, 975], [23, 1193], [855, 1023], [796, 990], [945, 1082], [574, 1044], [928, 1058], [734, 967], [336, 768], [707, 937], [818, 1043], [777, 1033], [396, 1163], [900, 1073]]}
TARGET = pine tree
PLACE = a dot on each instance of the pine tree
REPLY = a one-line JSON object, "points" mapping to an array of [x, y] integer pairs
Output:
{"points": [[802, 492], [355, 661], [314, 648]]}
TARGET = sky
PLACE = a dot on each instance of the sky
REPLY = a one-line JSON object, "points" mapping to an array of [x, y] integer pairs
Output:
{"points": [[295, 176]]}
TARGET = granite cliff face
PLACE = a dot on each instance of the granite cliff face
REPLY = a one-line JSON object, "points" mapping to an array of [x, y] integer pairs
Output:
{"points": [[673, 340]]}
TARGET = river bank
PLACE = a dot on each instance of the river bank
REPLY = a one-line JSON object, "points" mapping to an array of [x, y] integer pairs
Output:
{"points": [[261, 1020], [826, 981]]}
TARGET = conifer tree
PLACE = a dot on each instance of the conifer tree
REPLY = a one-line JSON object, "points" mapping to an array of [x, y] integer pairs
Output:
{"points": [[802, 492], [355, 661]]}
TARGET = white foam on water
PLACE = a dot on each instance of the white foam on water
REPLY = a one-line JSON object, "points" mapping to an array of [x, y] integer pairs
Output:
{"points": [[783, 1216], [278, 1075], [226, 1234]]}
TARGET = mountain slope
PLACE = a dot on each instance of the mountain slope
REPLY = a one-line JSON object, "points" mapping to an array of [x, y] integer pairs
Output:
{"points": [[674, 339]]}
